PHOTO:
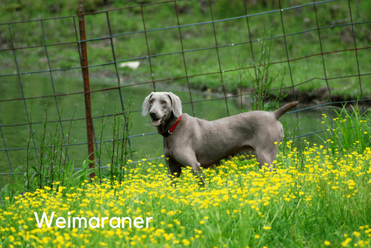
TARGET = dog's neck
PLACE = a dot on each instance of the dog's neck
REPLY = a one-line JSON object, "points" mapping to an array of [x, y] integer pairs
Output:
{"points": [[167, 125]]}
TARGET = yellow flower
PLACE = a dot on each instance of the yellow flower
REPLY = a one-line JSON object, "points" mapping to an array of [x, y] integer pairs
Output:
{"points": [[327, 243], [345, 243], [60, 239], [186, 242]]}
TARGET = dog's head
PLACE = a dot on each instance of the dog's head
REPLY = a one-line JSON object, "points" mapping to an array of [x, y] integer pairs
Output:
{"points": [[160, 106]]}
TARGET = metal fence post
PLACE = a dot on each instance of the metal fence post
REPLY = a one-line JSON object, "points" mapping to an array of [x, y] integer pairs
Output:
{"points": [[85, 76]]}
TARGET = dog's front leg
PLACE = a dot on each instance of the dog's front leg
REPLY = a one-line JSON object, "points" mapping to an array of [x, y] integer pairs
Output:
{"points": [[174, 167], [188, 158]]}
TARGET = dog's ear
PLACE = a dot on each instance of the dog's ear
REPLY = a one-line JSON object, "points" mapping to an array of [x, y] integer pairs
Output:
{"points": [[176, 104], [145, 106]]}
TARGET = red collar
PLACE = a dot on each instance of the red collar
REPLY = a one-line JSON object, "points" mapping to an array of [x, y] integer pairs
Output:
{"points": [[170, 131]]}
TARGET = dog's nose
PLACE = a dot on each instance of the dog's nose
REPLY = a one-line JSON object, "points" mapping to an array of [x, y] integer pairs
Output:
{"points": [[152, 114]]}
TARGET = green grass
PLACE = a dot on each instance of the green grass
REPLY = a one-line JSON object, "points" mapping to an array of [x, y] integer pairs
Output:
{"points": [[316, 197], [194, 37], [319, 196], [349, 130], [311, 201]]}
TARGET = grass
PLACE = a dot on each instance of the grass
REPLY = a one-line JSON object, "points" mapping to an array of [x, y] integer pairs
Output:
{"points": [[262, 80], [53, 160], [349, 130], [326, 202], [194, 37], [317, 197]]}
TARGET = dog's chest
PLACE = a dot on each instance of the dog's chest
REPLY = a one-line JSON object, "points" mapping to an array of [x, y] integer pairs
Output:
{"points": [[175, 145], [168, 143]]}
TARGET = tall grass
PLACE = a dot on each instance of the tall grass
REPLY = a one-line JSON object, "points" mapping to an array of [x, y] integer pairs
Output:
{"points": [[52, 149], [326, 203], [118, 150], [263, 77], [99, 151], [349, 130], [51, 167]]}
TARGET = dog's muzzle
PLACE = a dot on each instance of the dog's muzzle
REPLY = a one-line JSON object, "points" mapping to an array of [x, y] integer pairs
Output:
{"points": [[155, 121]]}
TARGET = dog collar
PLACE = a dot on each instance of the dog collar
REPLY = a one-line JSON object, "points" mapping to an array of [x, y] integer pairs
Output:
{"points": [[170, 131]]}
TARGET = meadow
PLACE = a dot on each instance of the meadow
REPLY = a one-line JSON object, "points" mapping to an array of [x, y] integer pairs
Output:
{"points": [[316, 197], [198, 42]]}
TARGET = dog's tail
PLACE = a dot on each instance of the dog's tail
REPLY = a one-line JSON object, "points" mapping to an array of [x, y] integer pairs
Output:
{"points": [[282, 110]]}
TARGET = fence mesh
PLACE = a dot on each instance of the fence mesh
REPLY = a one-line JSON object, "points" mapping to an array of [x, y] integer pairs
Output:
{"points": [[209, 64]]}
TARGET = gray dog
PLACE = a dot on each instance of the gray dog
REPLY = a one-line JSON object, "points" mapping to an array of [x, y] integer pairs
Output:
{"points": [[189, 141]]}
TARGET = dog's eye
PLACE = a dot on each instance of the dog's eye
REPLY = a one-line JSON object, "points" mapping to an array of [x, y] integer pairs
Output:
{"points": [[163, 102]]}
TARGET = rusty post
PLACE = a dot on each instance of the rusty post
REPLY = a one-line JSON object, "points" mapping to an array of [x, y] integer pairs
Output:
{"points": [[85, 76]]}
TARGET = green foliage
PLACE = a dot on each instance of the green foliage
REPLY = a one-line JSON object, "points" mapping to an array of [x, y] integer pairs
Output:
{"points": [[262, 78], [194, 37], [348, 131], [324, 203], [51, 166], [118, 150]]}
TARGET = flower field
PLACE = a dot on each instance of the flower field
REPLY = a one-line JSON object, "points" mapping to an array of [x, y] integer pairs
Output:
{"points": [[316, 200]]}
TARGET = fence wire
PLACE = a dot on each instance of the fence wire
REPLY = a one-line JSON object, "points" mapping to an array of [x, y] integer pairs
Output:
{"points": [[123, 90]]}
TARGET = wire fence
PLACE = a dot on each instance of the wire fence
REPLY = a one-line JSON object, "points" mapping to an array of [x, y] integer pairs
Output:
{"points": [[25, 82]]}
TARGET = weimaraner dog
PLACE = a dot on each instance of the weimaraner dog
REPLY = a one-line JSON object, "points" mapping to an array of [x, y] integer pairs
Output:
{"points": [[190, 141]]}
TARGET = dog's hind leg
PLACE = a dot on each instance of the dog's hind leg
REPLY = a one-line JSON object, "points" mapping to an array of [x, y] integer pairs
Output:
{"points": [[263, 158], [198, 172], [266, 159]]}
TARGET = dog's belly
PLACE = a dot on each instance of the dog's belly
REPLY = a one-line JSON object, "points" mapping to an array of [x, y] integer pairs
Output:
{"points": [[208, 158], [221, 139]]}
